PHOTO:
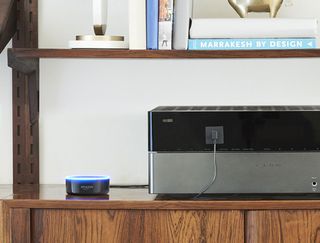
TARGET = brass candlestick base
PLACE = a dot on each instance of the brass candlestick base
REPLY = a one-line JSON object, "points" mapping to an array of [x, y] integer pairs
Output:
{"points": [[99, 38], [99, 41]]}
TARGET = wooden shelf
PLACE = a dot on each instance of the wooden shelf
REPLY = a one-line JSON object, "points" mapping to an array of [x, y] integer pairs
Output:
{"points": [[133, 215], [173, 54]]}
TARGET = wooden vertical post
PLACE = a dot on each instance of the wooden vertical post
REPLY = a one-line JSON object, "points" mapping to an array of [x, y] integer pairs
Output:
{"points": [[25, 91]]}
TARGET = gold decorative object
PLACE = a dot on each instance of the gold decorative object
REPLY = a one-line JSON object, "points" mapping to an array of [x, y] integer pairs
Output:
{"points": [[100, 29], [243, 7], [99, 39]]}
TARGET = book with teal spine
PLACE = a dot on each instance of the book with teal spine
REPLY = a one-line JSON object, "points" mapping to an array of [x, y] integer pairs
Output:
{"points": [[253, 44]]}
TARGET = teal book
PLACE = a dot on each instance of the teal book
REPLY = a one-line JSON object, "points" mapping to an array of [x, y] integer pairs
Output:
{"points": [[253, 44]]}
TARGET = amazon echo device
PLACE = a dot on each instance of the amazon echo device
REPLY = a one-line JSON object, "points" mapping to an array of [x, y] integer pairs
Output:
{"points": [[87, 185]]}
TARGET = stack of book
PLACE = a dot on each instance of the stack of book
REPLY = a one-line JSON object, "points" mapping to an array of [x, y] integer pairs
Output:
{"points": [[168, 24], [159, 24], [253, 34]]}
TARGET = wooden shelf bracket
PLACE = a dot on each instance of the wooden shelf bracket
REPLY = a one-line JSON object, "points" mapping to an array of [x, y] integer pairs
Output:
{"points": [[30, 68], [25, 99]]}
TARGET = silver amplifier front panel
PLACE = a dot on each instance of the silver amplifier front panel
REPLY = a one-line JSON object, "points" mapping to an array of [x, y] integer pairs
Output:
{"points": [[236, 172]]}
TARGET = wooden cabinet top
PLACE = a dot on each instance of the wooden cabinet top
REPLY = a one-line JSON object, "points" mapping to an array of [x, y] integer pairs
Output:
{"points": [[54, 196]]}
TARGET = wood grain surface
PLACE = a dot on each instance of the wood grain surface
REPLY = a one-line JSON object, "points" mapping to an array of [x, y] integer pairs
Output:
{"points": [[2, 230], [285, 226], [54, 197], [104, 53], [20, 225], [133, 215], [4, 223], [95, 226], [24, 102], [166, 205]]}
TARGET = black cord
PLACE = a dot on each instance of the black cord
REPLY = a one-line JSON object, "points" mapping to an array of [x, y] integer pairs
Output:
{"points": [[215, 170], [130, 186]]}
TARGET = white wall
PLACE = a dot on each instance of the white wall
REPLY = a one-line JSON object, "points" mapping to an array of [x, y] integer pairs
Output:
{"points": [[94, 112], [5, 120]]}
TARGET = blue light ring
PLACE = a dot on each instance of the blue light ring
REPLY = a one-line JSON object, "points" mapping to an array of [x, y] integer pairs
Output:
{"points": [[87, 178]]}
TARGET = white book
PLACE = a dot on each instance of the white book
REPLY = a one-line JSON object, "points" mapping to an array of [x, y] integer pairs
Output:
{"points": [[182, 15], [137, 24], [165, 24], [253, 28]]}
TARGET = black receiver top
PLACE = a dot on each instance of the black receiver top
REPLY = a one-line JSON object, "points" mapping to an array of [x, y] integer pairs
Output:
{"points": [[245, 128], [233, 108]]}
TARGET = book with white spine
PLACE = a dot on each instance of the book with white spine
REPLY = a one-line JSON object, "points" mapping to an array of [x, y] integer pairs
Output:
{"points": [[182, 15], [165, 24], [137, 24], [253, 28]]}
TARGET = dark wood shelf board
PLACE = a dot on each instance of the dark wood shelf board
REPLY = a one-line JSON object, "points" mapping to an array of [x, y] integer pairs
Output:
{"points": [[173, 54]]}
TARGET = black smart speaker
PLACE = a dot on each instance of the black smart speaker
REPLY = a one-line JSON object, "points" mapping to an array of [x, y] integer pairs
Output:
{"points": [[87, 185]]}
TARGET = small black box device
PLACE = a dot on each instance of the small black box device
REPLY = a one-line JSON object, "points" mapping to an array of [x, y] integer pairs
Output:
{"points": [[87, 185]]}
